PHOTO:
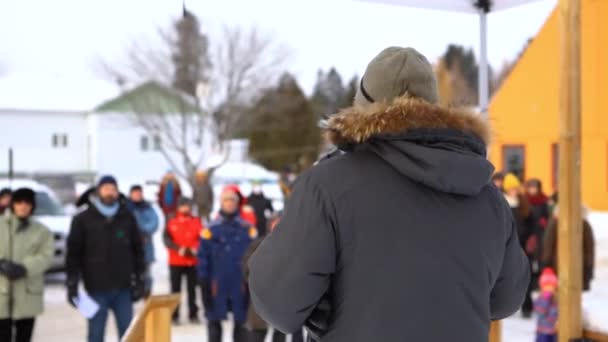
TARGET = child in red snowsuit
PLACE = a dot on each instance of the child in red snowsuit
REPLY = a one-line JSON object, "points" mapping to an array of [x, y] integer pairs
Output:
{"points": [[546, 308]]}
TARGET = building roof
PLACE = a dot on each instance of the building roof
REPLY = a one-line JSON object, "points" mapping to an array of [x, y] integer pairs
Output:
{"points": [[53, 93], [150, 97]]}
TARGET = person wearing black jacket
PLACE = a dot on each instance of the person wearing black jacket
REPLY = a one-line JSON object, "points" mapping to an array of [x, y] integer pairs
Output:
{"points": [[262, 206], [105, 254], [401, 238]]}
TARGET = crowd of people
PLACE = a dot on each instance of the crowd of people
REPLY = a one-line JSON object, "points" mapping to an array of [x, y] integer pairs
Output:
{"points": [[535, 215], [110, 250]]}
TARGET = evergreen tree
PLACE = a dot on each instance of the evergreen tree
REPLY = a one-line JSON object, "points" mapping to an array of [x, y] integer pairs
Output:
{"points": [[328, 94], [284, 127], [349, 92], [189, 54]]}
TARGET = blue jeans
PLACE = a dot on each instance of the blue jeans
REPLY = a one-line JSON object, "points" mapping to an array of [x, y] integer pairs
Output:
{"points": [[119, 301]]}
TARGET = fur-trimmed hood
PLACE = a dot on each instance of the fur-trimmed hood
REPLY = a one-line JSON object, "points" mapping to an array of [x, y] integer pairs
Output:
{"points": [[442, 148]]}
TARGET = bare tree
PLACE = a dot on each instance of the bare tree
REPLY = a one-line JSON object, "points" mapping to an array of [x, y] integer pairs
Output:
{"points": [[212, 89]]}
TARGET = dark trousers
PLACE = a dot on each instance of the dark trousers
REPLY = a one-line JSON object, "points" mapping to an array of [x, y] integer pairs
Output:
{"points": [[280, 337], [121, 305], [20, 329], [240, 333], [257, 335], [177, 273], [546, 338], [528, 304]]}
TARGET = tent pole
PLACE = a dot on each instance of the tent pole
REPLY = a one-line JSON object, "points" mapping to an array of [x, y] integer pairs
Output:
{"points": [[483, 63]]}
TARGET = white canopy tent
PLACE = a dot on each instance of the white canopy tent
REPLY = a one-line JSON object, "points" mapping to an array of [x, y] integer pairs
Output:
{"points": [[480, 7]]}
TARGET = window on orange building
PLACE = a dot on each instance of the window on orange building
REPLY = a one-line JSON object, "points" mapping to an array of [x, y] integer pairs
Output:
{"points": [[514, 160]]}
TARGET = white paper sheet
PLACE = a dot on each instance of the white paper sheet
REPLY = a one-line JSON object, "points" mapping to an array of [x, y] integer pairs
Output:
{"points": [[86, 305]]}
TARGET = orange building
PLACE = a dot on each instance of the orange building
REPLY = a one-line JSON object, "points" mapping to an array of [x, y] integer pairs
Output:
{"points": [[525, 117]]}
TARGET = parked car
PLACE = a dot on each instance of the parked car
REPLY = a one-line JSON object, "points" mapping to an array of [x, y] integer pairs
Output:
{"points": [[49, 212]]}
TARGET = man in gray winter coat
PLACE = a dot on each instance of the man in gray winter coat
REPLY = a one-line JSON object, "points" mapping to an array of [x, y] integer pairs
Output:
{"points": [[401, 238]]}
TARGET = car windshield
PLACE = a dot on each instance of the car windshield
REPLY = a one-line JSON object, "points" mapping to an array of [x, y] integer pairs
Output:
{"points": [[47, 206]]}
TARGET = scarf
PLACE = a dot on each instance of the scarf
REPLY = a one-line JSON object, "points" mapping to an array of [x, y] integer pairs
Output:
{"points": [[105, 209], [538, 199]]}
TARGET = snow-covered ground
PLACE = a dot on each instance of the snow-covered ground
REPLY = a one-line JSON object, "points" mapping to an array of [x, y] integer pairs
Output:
{"points": [[61, 323]]}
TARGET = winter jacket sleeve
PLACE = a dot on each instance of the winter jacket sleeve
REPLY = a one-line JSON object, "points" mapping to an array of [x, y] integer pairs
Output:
{"points": [[512, 283], [269, 206], [137, 247], [168, 239], [75, 249], [40, 260], [149, 221], [203, 266], [248, 253], [291, 270]]}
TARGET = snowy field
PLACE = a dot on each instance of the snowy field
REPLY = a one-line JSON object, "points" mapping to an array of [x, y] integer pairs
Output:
{"points": [[61, 323]]}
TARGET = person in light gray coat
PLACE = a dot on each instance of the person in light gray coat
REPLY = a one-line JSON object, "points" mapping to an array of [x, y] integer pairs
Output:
{"points": [[403, 237], [26, 252]]}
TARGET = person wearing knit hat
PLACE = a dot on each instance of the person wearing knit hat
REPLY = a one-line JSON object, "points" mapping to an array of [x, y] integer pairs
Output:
{"points": [[26, 252], [148, 223], [105, 253], [546, 307], [511, 182], [411, 176], [222, 248]]}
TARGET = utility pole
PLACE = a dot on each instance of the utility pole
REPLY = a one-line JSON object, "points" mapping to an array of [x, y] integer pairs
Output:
{"points": [[570, 243], [11, 167]]}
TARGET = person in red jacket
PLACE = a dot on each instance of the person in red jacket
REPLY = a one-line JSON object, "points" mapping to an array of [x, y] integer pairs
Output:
{"points": [[246, 211], [182, 240]]}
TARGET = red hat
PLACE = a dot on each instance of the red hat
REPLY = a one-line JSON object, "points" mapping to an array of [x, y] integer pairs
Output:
{"points": [[235, 188], [548, 278]]}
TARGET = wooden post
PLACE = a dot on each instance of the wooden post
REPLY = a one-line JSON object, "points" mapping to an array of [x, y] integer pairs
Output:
{"points": [[495, 332], [158, 325], [153, 322], [570, 219]]}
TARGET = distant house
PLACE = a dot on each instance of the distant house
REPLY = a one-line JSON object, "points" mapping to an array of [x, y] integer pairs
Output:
{"points": [[84, 128], [46, 122], [129, 143], [525, 116]]}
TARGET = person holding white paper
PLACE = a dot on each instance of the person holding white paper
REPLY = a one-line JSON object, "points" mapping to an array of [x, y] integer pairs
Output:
{"points": [[106, 255]]}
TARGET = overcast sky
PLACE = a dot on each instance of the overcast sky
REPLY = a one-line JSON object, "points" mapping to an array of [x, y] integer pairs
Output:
{"points": [[65, 36]]}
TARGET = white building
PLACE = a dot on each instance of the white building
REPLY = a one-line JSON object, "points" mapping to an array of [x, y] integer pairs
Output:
{"points": [[59, 126]]}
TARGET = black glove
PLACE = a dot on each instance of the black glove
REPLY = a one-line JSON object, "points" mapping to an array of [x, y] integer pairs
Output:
{"points": [[138, 288], [207, 294], [189, 253], [318, 322], [72, 287], [4, 266], [12, 270]]}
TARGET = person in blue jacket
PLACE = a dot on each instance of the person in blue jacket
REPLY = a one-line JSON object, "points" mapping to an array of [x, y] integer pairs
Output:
{"points": [[222, 248], [147, 221]]}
